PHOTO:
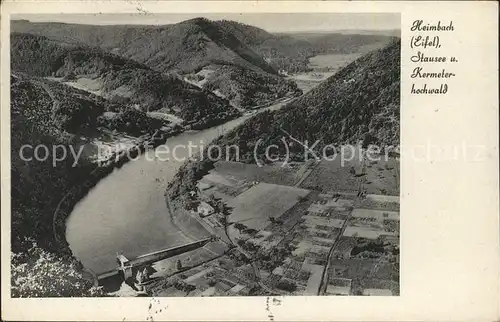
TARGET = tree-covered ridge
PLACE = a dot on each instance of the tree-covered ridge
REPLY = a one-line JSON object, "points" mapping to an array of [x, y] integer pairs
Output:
{"points": [[121, 80], [359, 101], [37, 186], [283, 52], [291, 52], [362, 99], [246, 88], [185, 46]]}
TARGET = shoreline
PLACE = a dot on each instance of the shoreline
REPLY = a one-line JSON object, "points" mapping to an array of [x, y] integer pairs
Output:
{"points": [[77, 193], [102, 170]]}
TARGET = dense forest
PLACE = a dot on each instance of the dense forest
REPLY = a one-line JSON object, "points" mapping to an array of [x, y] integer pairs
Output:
{"points": [[193, 44], [36, 189], [246, 88], [185, 46]]}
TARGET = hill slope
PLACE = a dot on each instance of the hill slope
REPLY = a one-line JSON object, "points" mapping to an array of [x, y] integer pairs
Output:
{"points": [[362, 99], [359, 103], [185, 48], [116, 78], [290, 52], [283, 52]]}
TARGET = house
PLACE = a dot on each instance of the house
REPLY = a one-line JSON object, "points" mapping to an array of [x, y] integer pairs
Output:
{"points": [[204, 209]]}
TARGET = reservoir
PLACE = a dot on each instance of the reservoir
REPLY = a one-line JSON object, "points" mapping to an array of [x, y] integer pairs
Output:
{"points": [[126, 211]]}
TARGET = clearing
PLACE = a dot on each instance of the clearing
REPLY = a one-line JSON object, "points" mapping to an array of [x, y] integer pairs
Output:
{"points": [[254, 206]]}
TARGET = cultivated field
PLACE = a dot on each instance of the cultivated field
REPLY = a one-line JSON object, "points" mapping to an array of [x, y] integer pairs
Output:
{"points": [[297, 228], [251, 172], [382, 177], [378, 215], [332, 176], [332, 61], [254, 206]]}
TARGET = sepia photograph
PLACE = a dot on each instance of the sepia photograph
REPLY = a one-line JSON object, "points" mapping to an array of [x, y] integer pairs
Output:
{"points": [[249, 160], [196, 155]]}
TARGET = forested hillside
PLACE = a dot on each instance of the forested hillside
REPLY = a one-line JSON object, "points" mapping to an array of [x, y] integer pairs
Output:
{"points": [[246, 88], [283, 52], [290, 52], [183, 48], [359, 104], [47, 121], [40, 266]]}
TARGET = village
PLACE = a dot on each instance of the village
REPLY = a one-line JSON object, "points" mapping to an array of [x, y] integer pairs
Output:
{"points": [[277, 234]]}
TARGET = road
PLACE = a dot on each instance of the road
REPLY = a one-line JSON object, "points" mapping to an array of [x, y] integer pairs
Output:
{"points": [[326, 271]]}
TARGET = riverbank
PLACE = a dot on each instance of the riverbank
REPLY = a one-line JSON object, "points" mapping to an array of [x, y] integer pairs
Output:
{"points": [[105, 167], [79, 191], [130, 201]]}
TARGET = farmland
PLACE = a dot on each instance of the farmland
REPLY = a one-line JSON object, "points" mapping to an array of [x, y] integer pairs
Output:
{"points": [[264, 200], [322, 67], [332, 62], [277, 238]]}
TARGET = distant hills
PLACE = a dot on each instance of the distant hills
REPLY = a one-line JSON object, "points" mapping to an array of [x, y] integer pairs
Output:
{"points": [[372, 32], [184, 48], [200, 44]]}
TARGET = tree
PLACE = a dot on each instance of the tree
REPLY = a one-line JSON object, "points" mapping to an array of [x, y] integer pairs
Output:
{"points": [[286, 285], [38, 273], [251, 231], [240, 227]]}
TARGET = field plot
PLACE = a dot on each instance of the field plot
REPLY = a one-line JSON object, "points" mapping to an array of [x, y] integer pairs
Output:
{"points": [[339, 286], [382, 177], [214, 177], [251, 172], [254, 206], [315, 221], [332, 61], [271, 213], [378, 215], [332, 176], [221, 185], [377, 204], [369, 269], [314, 280], [366, 232]]}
